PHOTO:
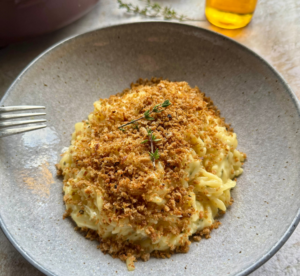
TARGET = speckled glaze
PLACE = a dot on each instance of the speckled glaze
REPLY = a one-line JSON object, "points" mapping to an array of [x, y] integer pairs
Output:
{"points": [[71, 76]]}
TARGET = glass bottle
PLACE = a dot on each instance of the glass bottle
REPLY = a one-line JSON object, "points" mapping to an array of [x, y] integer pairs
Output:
{"points": [[230, 14]]}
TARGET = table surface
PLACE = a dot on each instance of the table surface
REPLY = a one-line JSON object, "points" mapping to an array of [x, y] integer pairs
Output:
{"points": [[274, 33]]}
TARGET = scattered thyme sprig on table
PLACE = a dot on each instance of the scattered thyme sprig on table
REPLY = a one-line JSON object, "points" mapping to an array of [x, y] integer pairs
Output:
{"points": [[156, 109], [154, 10]]}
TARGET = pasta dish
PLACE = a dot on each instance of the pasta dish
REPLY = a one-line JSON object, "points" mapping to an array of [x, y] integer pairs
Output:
{"points": [[150, 169]]}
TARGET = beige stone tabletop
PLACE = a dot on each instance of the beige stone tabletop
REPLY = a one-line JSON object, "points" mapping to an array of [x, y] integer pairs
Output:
{"points": [[274, 33]]}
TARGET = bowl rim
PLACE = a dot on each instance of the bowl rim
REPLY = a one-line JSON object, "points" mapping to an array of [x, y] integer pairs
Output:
{"points": [[262, 259]]}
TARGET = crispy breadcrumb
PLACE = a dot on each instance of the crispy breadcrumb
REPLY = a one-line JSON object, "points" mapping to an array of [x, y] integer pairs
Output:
{"points": [[117, 166]]}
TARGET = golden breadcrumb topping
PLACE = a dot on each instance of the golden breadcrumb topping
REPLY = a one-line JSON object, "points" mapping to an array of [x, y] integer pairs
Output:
{"points": [[109, 176]]}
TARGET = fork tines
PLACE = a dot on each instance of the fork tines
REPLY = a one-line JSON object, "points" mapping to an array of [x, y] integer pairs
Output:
{"points": [[11, 131]]}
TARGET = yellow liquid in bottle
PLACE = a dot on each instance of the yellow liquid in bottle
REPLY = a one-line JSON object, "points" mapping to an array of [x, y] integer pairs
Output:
{"points": [[230, 14]]}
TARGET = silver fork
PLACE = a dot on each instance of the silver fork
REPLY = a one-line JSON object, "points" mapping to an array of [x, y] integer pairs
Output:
{"points": [[4, 131]]}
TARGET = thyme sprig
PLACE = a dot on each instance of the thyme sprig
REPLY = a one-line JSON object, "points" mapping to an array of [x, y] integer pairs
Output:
{"points": [[154, 10], [154, 155], [153, 137], [156, 109]]}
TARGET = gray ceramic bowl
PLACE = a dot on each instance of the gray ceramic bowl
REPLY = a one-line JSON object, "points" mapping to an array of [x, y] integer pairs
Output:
{"points": [[72, 75]]}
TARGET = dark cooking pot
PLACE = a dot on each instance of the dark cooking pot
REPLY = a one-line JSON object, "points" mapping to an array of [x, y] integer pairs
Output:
{"points": [[20, 19]]}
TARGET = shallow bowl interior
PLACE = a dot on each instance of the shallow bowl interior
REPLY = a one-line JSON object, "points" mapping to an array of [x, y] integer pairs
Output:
{"points": [[71, 76]]}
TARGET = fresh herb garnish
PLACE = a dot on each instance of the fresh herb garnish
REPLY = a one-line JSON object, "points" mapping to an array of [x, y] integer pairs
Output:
{"points": [[153, 137], [147, 116], [135, 126], [154, 155], [166, 103], [156, 109]]}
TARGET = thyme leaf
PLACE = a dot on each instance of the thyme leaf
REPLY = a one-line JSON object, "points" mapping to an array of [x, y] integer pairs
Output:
{"points": [[154, 10], [166, 103], [147, 116], [154, 155], [135, 126]]}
